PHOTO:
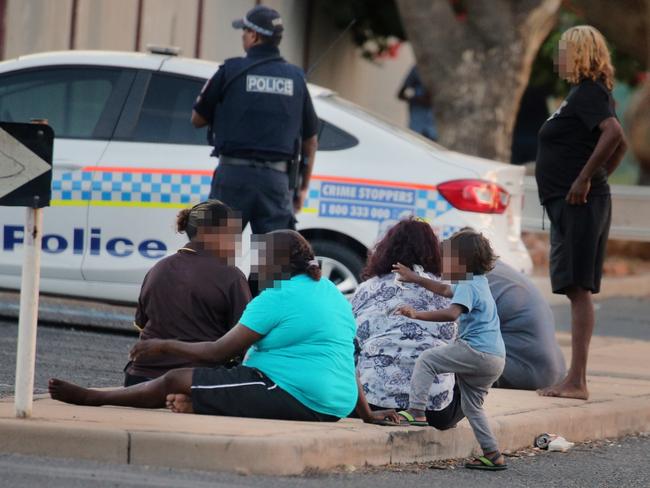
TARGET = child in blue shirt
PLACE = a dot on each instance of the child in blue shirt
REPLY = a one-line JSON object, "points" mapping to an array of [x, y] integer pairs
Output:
{"points": [[478, 355]]}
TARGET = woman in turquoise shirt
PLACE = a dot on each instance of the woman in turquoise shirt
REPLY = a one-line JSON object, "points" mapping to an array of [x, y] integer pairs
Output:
{"points": [[298, 339]]}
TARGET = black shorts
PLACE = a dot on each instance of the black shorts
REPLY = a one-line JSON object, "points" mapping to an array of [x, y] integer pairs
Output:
{"points": [[578, 242], [246, 392]]}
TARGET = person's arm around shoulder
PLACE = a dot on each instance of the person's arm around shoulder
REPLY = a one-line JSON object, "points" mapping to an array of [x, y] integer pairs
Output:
{"points": [[232, 344], [407, 275]]}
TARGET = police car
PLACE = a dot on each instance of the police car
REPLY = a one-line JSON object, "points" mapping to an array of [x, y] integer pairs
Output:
{"points": [[126, 159]]}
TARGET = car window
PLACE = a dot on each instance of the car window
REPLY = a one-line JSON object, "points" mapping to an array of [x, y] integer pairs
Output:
{"points": [[378, 121], [71, 99], [333, 138], [166, 111]]}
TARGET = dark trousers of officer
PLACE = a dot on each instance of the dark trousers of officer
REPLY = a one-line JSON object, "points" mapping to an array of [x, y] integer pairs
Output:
{"points": [[261, 195]]}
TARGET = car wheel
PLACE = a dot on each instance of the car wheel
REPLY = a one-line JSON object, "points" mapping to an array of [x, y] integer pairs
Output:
{"points": [[339, 264]]}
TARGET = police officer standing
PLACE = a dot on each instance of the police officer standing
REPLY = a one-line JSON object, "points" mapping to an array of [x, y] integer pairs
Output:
{"points": [[261, 118]]}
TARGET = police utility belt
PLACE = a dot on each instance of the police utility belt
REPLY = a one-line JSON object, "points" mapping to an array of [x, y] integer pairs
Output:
{"points": [[282, 166]]}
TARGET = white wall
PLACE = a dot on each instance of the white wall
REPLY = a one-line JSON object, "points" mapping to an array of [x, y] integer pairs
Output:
{"points": [[219, 40], [294, 18], [106, 25], [170, 23], [33, 26]]}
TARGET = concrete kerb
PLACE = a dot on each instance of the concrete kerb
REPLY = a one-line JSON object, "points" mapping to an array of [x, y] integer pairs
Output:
{"points": [[277, 455], [307, 448], [34, 437]]}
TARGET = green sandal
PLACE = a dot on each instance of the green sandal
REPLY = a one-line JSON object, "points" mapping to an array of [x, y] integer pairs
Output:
{"points": [[487, 464], [408, 419]]}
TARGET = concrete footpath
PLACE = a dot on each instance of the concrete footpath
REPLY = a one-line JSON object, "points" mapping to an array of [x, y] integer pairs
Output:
{"points": [[619, 405]]}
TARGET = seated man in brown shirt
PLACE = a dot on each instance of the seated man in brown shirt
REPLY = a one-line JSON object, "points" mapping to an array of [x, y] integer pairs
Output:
{"points": [[195, 295]]}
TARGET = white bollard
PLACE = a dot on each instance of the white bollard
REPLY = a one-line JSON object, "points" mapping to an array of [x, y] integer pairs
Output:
{"points": [[28, 318]]}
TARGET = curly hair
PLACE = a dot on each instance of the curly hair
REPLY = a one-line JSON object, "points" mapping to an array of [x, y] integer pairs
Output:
{"points": [[587, 55], [474, 251], [212, 213], [301, 256], [410, 241]]}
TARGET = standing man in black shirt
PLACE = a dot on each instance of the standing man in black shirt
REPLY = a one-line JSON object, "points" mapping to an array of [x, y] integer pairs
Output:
{"points": [[261, 118], [580, 145]]}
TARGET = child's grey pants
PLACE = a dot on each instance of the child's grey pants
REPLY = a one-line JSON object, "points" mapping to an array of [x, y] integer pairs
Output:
{"points": [[475, 372]]}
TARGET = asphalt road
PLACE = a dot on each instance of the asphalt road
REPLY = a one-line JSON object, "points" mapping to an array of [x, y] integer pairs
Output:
{"points": [[87, 358], [97, 359], [608, 464], [620, 317]]}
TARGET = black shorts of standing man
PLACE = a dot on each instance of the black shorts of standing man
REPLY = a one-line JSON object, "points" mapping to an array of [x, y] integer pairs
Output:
{"points": [[261, 118]]}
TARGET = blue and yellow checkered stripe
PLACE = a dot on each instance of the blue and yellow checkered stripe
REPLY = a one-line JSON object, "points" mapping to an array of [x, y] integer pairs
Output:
{"points": [[128, 187], [121, 188]]}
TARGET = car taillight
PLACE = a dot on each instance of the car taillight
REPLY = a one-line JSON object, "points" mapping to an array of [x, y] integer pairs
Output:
{"points": [[475, 196]]}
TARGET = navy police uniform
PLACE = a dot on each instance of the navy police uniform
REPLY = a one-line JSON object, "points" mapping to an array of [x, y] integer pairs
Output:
{"points": [[259, 110]]}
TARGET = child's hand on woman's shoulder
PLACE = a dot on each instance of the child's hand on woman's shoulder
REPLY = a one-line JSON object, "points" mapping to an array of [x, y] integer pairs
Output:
{"points": [[407, 311], [406, 274]]}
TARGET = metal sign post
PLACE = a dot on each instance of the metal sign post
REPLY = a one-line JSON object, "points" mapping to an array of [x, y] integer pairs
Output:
{"points": [[28, 317], [25, 181]]}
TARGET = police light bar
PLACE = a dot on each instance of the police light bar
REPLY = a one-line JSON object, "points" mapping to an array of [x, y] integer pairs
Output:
{"points": [[164, 50]]}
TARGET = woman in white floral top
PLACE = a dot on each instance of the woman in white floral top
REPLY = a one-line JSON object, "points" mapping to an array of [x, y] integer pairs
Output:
{"points": [[388, 344]]}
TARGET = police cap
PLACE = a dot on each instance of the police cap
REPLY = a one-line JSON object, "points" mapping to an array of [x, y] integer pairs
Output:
{"points": [[261, 19]]}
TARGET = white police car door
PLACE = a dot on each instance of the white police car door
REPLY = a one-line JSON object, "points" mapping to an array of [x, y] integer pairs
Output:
{"points": [[156, 164], [82, 105]]}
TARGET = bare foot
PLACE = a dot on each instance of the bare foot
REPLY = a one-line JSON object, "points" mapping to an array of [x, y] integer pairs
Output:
{"points": [[566, 389], [69, 393], [179, 403]]}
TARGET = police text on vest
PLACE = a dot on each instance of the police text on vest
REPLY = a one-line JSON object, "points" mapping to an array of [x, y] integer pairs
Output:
{"points": [[269, 84]]}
